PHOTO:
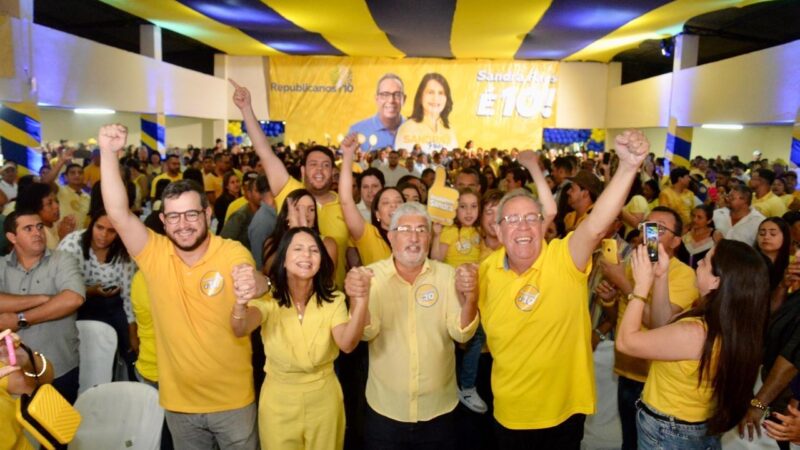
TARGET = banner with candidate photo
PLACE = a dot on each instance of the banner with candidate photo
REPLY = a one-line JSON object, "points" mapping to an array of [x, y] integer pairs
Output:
{"points": [[403, 103]]}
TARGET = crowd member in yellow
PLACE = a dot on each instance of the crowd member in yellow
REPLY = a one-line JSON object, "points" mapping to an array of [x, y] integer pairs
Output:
{"points": [[204, 372], [617, 287], [17, 380], [532, 291], [416, 311], [706, 360], [317, 170], [299, 210], [489, 239], [172, 172], [371, 239], [304, 324], [677, 195], [581, 195], [767, 203]]}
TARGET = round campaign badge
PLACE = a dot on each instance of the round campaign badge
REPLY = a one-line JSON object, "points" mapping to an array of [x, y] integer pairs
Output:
{"points": [[526, 297], [211, 284], [426, 295]]}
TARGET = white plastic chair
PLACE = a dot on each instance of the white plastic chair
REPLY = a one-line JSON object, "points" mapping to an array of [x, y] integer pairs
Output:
{"points": [[119, 415], [97, 349]]}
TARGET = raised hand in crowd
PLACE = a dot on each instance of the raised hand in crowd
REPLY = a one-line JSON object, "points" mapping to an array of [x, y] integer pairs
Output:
{"points": [[111, 139], [244, 283], [632, 148], [66, 226], [645, 272], [530, 160], [357, 283], [467, 290]]}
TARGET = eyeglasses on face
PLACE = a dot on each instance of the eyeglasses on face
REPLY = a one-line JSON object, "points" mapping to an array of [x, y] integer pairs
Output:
{"points": [[387, 95], [408, 229], [193, 215], [515, 220]]}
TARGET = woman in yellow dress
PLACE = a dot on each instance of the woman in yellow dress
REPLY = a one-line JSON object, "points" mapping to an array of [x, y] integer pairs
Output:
{"points": [[429, 124], [304, 323]]}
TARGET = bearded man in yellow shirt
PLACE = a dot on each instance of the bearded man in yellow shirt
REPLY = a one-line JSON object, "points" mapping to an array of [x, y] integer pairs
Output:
{"points": [[533, 305]]}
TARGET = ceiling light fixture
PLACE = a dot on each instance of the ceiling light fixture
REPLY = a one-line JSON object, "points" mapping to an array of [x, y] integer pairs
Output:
{"points": [[722, 126], [94, 111], [668, 47]]}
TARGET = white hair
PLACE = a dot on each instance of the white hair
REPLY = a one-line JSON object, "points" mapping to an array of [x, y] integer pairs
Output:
{"points": [[410, 209], [516, 193]]}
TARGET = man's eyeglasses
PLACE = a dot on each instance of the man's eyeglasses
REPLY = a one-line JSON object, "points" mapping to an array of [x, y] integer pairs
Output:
{"points": [[408, 229], [515, 220], [193, 215], [387, 95], [662, 229]]}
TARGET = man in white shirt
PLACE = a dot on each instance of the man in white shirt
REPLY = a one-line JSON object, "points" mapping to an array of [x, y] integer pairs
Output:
{"points": [[392, 172], [739, 221], [8, 182]]}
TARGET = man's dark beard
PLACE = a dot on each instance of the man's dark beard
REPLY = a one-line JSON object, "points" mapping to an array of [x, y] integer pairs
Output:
{"points": [[195, 245]]}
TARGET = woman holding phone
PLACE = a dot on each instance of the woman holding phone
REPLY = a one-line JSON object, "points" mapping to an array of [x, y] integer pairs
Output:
{"points": [[304, 324], [705, 362]]}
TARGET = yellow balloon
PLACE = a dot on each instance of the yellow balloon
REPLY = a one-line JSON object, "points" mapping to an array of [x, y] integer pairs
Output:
{"points": [[340, 138], [373, 140], [361, 138]]}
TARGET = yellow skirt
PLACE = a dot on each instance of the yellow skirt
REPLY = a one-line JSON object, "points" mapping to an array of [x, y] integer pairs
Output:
{"points": [[301, 416]]}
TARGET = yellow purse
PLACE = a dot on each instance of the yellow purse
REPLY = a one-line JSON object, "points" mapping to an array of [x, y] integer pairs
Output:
{"points": [[45, 414]]}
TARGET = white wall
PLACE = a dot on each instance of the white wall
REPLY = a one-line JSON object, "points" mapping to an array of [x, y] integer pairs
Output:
{"points": [[180, 131], [582, 95]]}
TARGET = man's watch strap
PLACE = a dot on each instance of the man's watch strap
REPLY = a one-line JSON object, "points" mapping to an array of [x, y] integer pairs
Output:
{"points": [[22, 322]]}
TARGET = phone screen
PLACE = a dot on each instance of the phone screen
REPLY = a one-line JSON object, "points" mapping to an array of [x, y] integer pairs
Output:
{"points": [[651, 240]]}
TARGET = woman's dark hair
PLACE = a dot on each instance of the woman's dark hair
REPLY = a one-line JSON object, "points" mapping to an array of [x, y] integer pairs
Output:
{"points": [[653, 185], [418, 113], [282, 223], [469, 191], [493, 185], [31, 199], [735, 316], [777, 268], [373, 210], [116, 251], [708, 210], [193, 174], [323, 279], [407, 185], [636, 189], [225, 179]]}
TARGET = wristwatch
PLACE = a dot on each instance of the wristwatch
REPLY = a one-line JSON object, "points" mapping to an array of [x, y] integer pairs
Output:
{"points": [[600, 335], [22, 322]]}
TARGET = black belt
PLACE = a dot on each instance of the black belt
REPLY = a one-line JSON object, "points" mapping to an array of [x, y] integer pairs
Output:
{"points": [[664, 418]]}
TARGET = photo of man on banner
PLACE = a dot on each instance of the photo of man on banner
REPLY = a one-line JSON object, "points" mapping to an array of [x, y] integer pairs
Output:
{"points": [[429, 124], [389, 98]]}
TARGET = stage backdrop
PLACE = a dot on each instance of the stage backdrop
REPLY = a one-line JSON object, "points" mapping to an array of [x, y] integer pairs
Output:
{"points": [[495, 103]]}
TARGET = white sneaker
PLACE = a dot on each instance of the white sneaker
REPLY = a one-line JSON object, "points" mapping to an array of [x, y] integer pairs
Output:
{"points": [[471, 399]]}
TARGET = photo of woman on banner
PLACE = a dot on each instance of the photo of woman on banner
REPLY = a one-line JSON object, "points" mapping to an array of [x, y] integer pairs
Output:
{"points": [[429, 124], [389, 98]]}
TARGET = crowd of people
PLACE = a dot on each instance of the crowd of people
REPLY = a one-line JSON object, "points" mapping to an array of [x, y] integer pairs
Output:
{"points": [[303, 297]]}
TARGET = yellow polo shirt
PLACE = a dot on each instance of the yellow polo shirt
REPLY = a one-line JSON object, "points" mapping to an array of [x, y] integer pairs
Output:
{"points": [[331, 224], [371, 246], [91, 174], [680, 203], [11, 435], [682, 292], [146, 362], [538, 331], [163, 176], [769, 205], [234, 206], [75, 204], [411, 350], [463, 245], [571, 220], [202, 366]]}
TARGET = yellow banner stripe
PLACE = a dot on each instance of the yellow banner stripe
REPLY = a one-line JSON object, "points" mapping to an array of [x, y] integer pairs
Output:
{"points": [[684, 133], [149, 141], [660, 23], [346, 24], [14, 134], [496, 30], [159, 119], [174, 16], [29, 109], [796, 128]]}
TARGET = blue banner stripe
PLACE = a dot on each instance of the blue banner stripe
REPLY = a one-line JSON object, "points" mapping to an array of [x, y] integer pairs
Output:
{"points": [[419, 29], [22, 122], [264, 24], [678, 146], [22, 155], [570, 25], [795, 154], [154, 130]]}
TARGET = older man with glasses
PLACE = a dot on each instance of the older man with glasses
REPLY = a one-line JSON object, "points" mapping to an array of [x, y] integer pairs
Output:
{"points": [[534, 309], [389, 99], [416, 314]]}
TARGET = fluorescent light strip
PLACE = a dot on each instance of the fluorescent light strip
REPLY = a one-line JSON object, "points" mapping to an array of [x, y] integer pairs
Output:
{"points": [[93, 111], [723, 126]]}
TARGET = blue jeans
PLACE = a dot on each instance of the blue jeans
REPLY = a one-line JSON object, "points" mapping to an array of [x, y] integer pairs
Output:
{"points": [[655, 433], [469, 362], [628, 392]]}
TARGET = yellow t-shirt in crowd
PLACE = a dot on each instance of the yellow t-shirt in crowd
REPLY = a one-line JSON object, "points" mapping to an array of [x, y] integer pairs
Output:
{"points": [[211, 182], [146, 362], [11, 435], [202, 366], [300, 352], [463, 245], [571, 220], [235, 206], [682, 203], [91, 174], [672, 387], [371, 246], [682, 292], [769, 205], [411, 350], [331, 224], [538, 331], [787, 199], [637, 205], [75, 204], [163, 176]]}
